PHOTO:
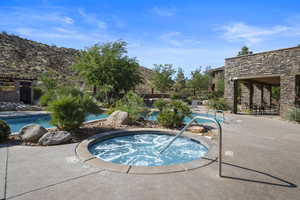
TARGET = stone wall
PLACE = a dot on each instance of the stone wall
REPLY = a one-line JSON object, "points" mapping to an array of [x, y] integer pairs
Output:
{"points": [[267, 92], [284, 63], [11, 96], [257, 94], [246, 94]]}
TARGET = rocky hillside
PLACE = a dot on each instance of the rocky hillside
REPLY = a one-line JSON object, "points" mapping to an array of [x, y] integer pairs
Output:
{"points": [[24, 58]]}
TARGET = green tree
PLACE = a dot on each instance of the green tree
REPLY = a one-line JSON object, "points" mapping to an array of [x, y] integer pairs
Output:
{"points": [[220, 88], [162, 77], [244, 51], [199, 80], [48, 81], [108, 68], [276, 93], [180, 80]]}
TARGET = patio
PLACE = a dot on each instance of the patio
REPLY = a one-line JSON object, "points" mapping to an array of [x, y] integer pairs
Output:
{"points": [[259, 163]]}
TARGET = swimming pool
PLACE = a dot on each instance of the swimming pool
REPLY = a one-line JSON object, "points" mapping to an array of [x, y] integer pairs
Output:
{"points": [[153, 117], [17, 122]]}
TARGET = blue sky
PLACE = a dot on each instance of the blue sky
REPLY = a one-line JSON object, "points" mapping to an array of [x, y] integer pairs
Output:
{"points": [[185, 33]]}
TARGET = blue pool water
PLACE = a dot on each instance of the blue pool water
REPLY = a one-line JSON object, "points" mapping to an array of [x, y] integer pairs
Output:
{"points": [[143, 150], [153, 117], [16, 123]]}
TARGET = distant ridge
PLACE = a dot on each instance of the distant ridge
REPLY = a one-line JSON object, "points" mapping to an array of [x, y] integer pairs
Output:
{"points": [[23, 58]]}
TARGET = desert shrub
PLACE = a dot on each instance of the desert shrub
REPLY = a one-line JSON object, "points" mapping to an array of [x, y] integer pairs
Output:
{"points": [[218, 104], [46, 98], [53, 94], [172, 114], [4, 131], [133, 104], [160, 104], [168, 118], [68, 111], [294, 115]]}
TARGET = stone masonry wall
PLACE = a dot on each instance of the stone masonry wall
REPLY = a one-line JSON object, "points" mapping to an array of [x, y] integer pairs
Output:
{"points": [[267, 91], [284, 63], [257, 94], [11, 96], [246, 94]]}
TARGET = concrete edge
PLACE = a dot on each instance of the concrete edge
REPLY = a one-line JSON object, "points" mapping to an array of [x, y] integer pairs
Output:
{"points": [[85, 156]]}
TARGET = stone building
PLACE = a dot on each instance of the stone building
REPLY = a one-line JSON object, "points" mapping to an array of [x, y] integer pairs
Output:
{"points": [[258, 73], [16, 88], [216, 75]]}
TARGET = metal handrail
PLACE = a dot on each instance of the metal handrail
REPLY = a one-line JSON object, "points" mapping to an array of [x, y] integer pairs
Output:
{"points": [[220, 138], [215, 113]]}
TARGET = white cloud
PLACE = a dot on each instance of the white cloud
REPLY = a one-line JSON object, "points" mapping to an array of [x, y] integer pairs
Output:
{"points": [[92, 19], [172, 38], [250, 34], [164, 12], [86, 38], [68, 20]]}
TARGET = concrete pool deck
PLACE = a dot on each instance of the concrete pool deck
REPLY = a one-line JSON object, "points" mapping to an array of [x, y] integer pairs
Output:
{"points": [[261, 161]]}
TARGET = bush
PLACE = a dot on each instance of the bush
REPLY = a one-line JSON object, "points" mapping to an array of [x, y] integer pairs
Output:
{"points": [[168, 118], [46, 98], [4, 131], [53, 94], [172, 113], [68, 111], [218, 104], [294, 115], [160, 104], [133, 104]]}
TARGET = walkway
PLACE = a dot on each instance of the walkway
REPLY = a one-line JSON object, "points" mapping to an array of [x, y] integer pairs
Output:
{"points": [[261, 161]]}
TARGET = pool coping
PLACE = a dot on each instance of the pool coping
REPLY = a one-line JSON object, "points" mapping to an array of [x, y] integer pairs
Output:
{"points": [[86, 157]]}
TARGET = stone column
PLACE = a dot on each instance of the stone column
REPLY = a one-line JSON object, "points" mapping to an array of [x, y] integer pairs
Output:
{"points": [[246, 94], [18, 95], [257, 94], [230, 94], [267, 92], [287, 93]]}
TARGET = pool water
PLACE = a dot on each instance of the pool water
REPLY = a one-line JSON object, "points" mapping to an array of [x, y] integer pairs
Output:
{"points": [[153, 117], [143, 150], [16, 123]]}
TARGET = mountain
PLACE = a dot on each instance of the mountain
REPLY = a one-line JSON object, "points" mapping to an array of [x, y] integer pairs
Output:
{"points": [[23, 58]]}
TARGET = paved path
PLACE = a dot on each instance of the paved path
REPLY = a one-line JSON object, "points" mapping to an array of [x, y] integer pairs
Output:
{"points": [[261, 161]]}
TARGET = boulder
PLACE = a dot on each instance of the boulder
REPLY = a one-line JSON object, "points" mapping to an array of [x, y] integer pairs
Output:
{"points": [[197, 129], [117, 118], [54, 138], [32, 133]]}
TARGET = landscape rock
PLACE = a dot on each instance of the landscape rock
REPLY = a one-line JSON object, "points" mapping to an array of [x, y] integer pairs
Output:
{"points": [[117, 118], [55, 138], [197, 129], [32, 133]]}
